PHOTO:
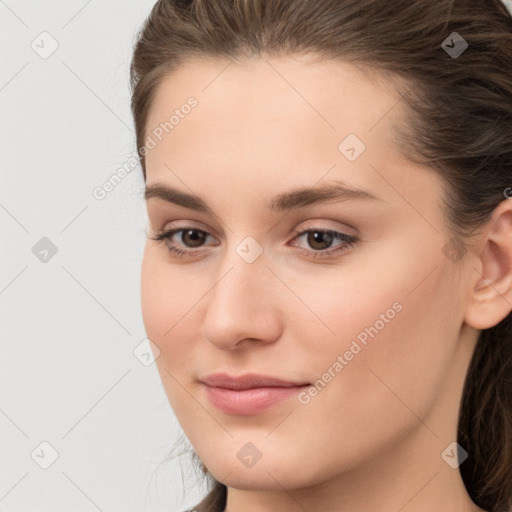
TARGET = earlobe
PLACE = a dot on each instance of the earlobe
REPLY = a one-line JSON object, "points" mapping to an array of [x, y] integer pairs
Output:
{"points": [[490, 298]]}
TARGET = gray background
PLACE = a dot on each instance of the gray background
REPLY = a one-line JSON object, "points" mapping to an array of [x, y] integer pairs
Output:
{"points": [[70, 321]]}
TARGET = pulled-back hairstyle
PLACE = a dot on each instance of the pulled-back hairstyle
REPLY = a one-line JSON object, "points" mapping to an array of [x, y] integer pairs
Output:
{"points": [[459, 123]]}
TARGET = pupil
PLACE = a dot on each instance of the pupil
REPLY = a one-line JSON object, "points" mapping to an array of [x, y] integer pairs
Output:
{"points": [[317, 237], [195, 235]]}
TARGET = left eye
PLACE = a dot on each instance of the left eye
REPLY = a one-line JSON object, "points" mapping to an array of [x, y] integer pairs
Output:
{"points": [[322, 236], [315, 237]]}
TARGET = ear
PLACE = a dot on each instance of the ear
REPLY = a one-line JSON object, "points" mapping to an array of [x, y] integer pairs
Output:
{"points": [[490, 299]]}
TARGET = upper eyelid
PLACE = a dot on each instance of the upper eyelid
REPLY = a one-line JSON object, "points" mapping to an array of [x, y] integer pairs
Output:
{"points": [[310, 224]]}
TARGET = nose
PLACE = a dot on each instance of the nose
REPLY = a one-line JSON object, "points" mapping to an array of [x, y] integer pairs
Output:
{"points": [[242, 307]]}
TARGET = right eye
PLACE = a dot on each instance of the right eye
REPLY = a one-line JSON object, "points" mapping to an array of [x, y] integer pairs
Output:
{"points": [[195, 235]]}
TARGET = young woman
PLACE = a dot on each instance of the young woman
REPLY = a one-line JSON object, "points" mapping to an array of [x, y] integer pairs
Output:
{"points": [[327, 279]]}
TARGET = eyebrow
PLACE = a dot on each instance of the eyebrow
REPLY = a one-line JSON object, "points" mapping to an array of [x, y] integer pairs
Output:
{"points": [[294, 199]]}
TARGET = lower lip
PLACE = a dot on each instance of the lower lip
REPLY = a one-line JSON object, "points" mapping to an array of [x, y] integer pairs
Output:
{"points": [[249, 401]]}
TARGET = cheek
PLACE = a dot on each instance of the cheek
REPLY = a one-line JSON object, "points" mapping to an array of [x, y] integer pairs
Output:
{"points": [[396, 333], [166, 304], [398, 309], [166, 308], [167, 294], [153, 299]]}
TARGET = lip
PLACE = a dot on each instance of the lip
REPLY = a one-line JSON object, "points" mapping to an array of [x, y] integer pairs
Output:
{"points": [[248, 394]]}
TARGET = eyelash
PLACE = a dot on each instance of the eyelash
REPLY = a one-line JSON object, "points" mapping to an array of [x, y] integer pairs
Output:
{"points": [[343, 237]]}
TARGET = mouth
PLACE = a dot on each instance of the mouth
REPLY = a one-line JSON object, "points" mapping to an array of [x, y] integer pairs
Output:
{"points": [[249, 394]]}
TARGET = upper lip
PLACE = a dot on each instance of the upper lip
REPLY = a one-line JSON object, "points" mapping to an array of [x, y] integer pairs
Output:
{"points": [[248, 381]]}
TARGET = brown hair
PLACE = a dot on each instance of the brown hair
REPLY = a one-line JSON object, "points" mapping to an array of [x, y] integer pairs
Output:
{"points": [[459, 124]]}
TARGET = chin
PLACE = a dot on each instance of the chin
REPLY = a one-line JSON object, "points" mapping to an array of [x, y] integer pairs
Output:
{"points": [[266, 475], [248, 479]]}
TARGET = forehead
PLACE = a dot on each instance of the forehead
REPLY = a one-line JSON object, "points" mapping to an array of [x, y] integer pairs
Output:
{"points": [[257, 125], [275, 100]]}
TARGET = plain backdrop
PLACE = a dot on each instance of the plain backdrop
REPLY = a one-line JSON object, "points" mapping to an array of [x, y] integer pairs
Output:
{"points": [[85, 423]]}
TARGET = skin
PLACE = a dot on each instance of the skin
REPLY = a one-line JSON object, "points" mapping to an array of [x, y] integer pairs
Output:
{"points": [[372, 438]]}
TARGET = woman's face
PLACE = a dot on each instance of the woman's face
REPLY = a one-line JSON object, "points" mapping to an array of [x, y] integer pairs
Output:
{"points": [[361, 316]]}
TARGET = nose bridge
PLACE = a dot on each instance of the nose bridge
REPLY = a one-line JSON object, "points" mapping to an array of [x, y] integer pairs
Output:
{"points": [[245, 272], [244, 281]]}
